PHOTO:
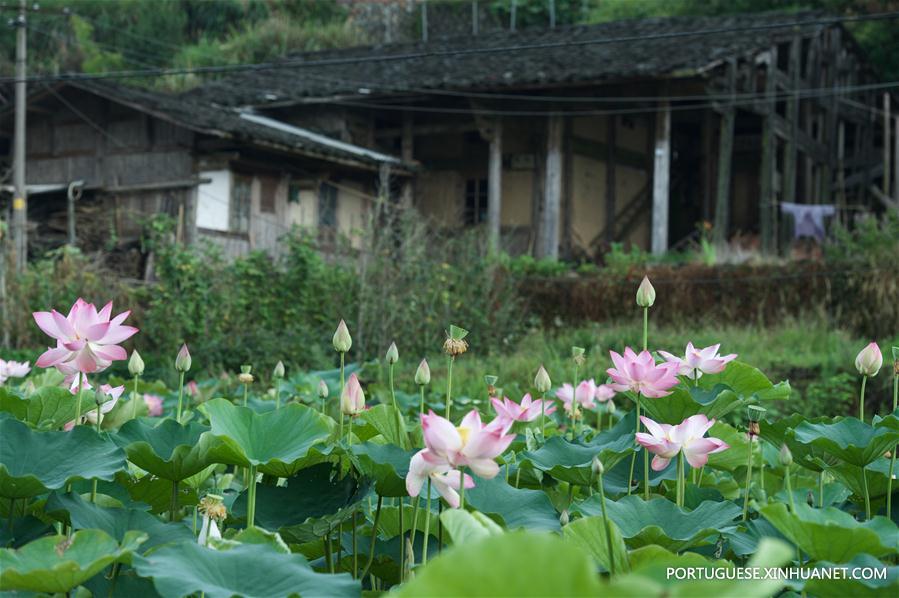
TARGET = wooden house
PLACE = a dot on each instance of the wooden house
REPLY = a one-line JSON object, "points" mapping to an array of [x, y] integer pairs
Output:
{"points": [[563, 141]]}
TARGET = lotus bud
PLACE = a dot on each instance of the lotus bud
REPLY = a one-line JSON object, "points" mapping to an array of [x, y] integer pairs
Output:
{"points": [[182, 361], [577, 354], [869, 360], [245, 377], [342, 340], [610, 406], [135, 364], [278, 372], [352, 401], [393, 355], [786, 457], [423, 373], [322, 389], [99, 396], [598, 468], [542, 381], [564, 518], [646, 294], [455, 344]]}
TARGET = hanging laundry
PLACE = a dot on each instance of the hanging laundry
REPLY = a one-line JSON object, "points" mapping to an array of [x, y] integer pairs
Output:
{"points": [[808, 220]]}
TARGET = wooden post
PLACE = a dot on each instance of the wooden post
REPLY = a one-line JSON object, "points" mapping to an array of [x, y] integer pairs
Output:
{"points": [[769, 157], [725, 160], [660, 180], [896, 160], [611, 141], [790, 153], [424, 21], [190, 215], [495, 185], [407, 143], [552, 193]]}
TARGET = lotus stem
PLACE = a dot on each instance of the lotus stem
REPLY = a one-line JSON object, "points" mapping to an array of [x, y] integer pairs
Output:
{"points": [[680, 479], [195, 520], [392, 391], [821, 489], [439, 527], [134, 399], [605, 521], [349, 436], [789, 485], [340, 394], [402, 540], [180, 397], [645, 472], [82, 380], [278, 394], [645, 328], [861, 399], [355, 551], [598, 419], [462, 487], [251, 498], [329, 563], [867, 493], [749, 480], [542, 417], [173, 506], [630, 477], [574, 404], [427, 535], [414, 521], [94, 481], [12, 514], [421, 408], [246, 394], [449, 386], [374, 536], [893, 455]]}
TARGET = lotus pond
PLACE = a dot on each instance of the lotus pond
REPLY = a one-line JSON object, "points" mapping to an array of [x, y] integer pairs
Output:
{"points": [[665, 474]]}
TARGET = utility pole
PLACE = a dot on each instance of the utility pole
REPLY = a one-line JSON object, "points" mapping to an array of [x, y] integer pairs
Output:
{"points": [[20, 197]]}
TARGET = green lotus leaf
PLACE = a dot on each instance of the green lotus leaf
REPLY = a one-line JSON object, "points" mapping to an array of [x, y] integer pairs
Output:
{"points": [[743, 542], [116, 522], [165, 448], [257, 570], [831, 534], [649, 576], [276, 441], [156, 492], [516, 507], [661, 522], [512, 564], [573, 463], [682, 403], [252, 535], [590, 534], [388, 421], [747, 382], [48, 408], [877, 474], [464, 526], [849, 439], [57, 564], [33, 463], [386, 464], [780, 432], [314, 498], [858, 588]]}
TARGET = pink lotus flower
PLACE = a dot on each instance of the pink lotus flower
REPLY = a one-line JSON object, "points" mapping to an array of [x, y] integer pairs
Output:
{"points": [[641, 374], [86, 340], [154, 405], [666, 441], [604, 393], [91, 415], [585, 394], [697, 362], [13, 369], [471, 444], [192, 388], [510, 412], [424, 465], [352, 401], [869, 360]]}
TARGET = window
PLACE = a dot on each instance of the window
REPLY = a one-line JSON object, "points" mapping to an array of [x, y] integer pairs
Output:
{"points": [[327, 213], [268, 194], [241, 197], [475, 201]]}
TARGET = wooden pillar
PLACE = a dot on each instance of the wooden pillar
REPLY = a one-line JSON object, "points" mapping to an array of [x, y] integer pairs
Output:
{"points": [[495, 184], [769, 158], [790, 153], [896, 160], [190, 215], [611, 141], [552, 191], [407, 143], [660, 180], [887, 175], [725, 160]]}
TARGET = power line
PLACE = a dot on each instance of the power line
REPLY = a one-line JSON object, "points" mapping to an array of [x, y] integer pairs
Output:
{"points": [[303, 63]]}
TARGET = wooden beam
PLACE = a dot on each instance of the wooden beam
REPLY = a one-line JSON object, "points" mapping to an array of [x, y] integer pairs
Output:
{"points": [[725, 160], [623, 156], [552, 194], [611, 142], [660, 179], [494, 185]]}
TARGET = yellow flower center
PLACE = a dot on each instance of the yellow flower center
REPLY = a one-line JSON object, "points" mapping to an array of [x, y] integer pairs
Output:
{"points": [[464, 433]]}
